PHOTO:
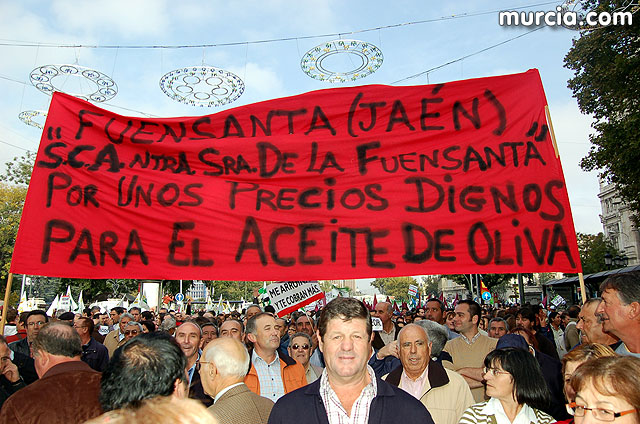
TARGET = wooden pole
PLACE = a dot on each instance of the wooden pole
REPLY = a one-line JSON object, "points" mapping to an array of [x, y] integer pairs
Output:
{"points": [[5, 307], [583, 290]]}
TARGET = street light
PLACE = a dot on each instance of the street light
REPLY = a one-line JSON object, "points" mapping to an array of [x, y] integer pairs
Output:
{"points": [[618, 261]]}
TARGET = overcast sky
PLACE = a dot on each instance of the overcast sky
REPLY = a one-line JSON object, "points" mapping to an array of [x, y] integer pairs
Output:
{"points": [[412, 37]]}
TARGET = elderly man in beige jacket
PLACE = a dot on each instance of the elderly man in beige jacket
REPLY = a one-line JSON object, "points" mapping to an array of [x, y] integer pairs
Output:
{"points": [[444, 392]]}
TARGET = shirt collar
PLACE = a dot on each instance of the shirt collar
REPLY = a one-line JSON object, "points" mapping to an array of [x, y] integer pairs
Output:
{"points": [[473, 339], [525, 415], [225, 390]]}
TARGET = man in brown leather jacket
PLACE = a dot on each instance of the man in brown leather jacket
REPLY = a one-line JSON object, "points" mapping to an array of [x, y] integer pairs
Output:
{"points": [[68, 389]]}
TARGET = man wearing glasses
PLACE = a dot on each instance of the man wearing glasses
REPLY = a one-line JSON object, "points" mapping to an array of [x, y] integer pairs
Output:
{"points": [[222, 368], [300, 350], [35, 320], [93, 353]]}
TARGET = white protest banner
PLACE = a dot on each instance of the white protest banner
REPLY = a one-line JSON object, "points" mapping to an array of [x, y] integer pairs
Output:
{"points": [[288, 296], [413, 290]]}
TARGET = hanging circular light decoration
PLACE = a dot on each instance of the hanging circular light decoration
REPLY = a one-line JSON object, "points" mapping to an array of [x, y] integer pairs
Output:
{"points": [[202, 86], [28, 116], [91, 85], [368, 58]]}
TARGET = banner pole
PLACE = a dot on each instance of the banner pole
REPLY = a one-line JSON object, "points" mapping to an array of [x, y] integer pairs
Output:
{"points": [[5, 306], [583, 290]]}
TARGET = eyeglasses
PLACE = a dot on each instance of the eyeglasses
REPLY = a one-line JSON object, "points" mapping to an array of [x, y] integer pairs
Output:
{"points": [[38, 323], [494, 371], [199, 363], [130, 332], [598, 413], [297, 346]]}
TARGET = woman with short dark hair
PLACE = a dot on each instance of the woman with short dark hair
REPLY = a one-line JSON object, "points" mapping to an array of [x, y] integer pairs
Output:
{"points": [[516, 388]]}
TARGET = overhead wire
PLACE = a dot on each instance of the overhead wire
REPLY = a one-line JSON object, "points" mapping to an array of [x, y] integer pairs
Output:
{"points": [[20, 43]]}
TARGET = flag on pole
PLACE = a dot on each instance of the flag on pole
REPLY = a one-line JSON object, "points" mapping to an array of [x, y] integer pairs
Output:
{"points": [[73, 306], [375, 301], [455, 301], [53, 307], [80, 303], [219, 307], [209, 305], [22, 306]]}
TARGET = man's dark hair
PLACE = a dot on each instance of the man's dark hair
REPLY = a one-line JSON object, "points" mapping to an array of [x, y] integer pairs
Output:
{"points": [[145, 367], [346, 309], [23, 318], [96, 316], [236, 320], [36, 312], [147, 316], [58, 338], [12, 314], [3, 341], [529, 386], [149, 325], [552, 315], [474, 309], [527, 313], [87, 322], [136, 308], [627, 286], [435, 299], [573, 311], [118, 310]]}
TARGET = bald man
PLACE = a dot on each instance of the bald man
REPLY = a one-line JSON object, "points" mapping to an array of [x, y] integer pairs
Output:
{"points": [[223, 365]]}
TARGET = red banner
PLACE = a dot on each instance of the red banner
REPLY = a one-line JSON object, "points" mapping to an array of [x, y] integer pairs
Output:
{"points": [[368, 181]]}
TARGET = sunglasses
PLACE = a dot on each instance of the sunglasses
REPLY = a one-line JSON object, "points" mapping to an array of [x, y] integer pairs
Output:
{"points": [[297, 346], [130, 332]]}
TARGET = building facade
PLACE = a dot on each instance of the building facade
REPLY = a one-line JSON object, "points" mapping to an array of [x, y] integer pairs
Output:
{"points": [[617, 224]]}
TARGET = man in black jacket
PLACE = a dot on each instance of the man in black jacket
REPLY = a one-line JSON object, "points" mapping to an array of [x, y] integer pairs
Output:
{"points": [[348, 388]]}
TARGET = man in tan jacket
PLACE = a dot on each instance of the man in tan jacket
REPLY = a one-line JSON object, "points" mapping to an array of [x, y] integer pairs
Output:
{"points": [[223, 365], [445, 393]]}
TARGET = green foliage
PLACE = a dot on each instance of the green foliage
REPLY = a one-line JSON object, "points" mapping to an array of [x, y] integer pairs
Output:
{"points": [[234, 290], [11, 203], [430, 284], [394, 286], [592, 248], [494, 282], [606, 84], [19, 170]]}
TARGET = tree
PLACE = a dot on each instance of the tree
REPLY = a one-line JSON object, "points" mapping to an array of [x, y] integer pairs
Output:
{"points": [[607, 85], [431, 285], [494, 282], [11, 203], [19, 170], [592, 249], [395, 286]]}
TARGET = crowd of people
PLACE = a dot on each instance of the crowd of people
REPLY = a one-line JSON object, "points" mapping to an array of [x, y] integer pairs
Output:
{"points": [[470, 365]]}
